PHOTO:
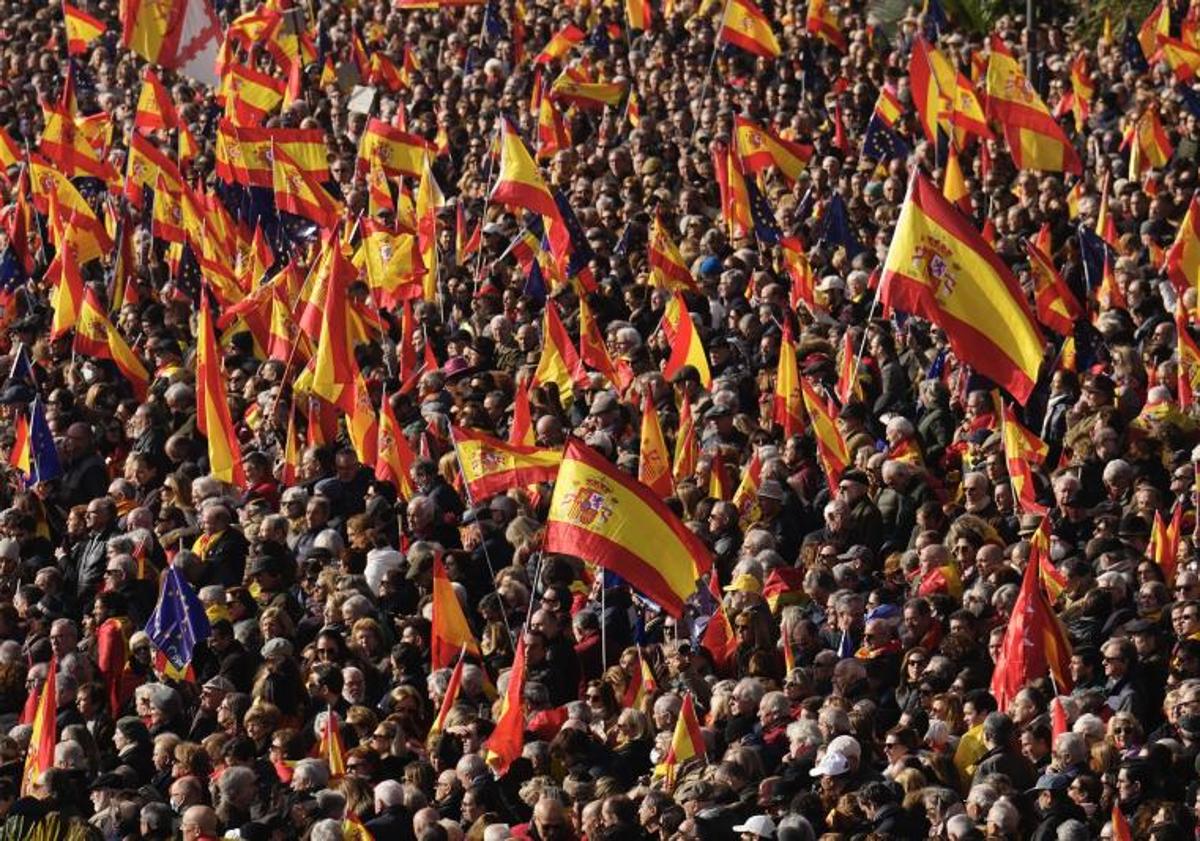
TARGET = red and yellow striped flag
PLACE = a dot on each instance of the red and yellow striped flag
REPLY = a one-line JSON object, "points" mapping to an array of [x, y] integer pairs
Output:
{"points": [[449, 632], [490, 466], [939, 266], [212, 406], [559, 363], [761, 148], [504, 746], [82, 29], [39, 757], [686, 346], [615, 521], [395, 458], [654, 463], [686, 743], [744, 25], [788, 412], [667, 267], [687, 445], [821, 21], [1183, 257], [95, 336], [832, 452], [519, 183]]}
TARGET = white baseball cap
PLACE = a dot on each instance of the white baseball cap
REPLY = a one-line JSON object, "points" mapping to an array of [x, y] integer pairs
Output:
{"points": [[832, 765], [759, 825]]}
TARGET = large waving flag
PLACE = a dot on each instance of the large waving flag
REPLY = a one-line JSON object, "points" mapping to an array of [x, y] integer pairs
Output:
{"points": [[178, 623], [1149, 145], [298, 193], [155, 109], [508, 737], [82, 29], [938, 266], [744, 25], [616, 522], [519, 183], [1035, 140], [33, 451], [183, 35], [491, 466], [560, 44], [654, 462], [334, 370], [925, 91], [95, 336], [686, 347], [39, 757], [398, 152], [449, 631], [1034, 643], [212, 412]]}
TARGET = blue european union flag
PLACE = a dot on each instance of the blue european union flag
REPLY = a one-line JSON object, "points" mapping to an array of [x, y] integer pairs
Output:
{"points": [[1191, 99], [835, 229], [1132, 49], [178, 623], [935, 20], [43, 456], [766, 229], [493, 22], [1092, 251], [882, 143], [535, 284]]}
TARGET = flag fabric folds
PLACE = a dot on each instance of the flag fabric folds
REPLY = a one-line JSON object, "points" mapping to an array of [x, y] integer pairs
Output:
{"points": [[744, 25], [39, 757], [508, 737], [687, 742], [33, 452], [616, 522], [212, 405], [939, 267], [82, 29], [654, 462], [519, 183], [95, 336], [449, 630], [178, 624], [490, 466]]}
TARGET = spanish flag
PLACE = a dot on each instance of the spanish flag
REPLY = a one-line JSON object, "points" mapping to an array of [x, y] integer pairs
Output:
{"points": [[553, 133], [251, 95], [1189, 358], [330, 748], [760, 148], [297, 193], [1053, 581], [10, 154], [960, 108], [82, 29], [212, 413], [735, 200], [832, 452], [1183, 58], [579, 90], [559, 363], [155, 110], [686, 347], [428, 202], [954, 185], [450, 633], [1183, 257], [393, 262], [1150, 147], [1154, 28], [744, 25], [395, 456], [719, 639], [926, 92], [686, 743], [615, 521], [398, 152], [822, 22], [795, 262], [1163, 546], [33, 452], [334, 369], [67, 296], [519, 183], [504, 746], [654, 462], [1035, 140], [560, 44], [96, 337], [1021, 448], [667, 268], [849, 384], [448, 700], [788, 412], [687, 445], [1034, 643], [592, 351], [490, 466], [1053, 301], [745, 498], [939, 267], [39, 757], [638, 14], [69, 148], [1121, 830]]}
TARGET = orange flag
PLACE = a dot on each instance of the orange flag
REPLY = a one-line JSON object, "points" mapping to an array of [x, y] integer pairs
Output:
{"points": [[508, 737], [615, 521], [1121, 831]]}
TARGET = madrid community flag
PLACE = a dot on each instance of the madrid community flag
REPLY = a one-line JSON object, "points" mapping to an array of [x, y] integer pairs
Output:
{"points": [[939, 267], [616, 522], [490, 466]]}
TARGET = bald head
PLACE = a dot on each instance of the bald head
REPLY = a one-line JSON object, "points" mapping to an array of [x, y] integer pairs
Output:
{"points": [[201, 819]]}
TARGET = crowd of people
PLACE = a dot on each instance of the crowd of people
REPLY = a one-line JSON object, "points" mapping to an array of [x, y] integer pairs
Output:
{"points": [[869, 608]]}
